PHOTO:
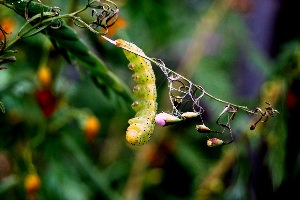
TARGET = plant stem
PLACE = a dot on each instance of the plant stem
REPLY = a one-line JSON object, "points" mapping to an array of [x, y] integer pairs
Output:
{"points": [[70, 15], [54, 27], [160, 64]]}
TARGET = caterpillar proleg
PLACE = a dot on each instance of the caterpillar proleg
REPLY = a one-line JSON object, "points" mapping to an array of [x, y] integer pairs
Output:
{"points": [[142, 125]]}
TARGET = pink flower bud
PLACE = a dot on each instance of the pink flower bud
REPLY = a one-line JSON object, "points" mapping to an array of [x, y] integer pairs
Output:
{"points": [[212, 142], [165, 119]]}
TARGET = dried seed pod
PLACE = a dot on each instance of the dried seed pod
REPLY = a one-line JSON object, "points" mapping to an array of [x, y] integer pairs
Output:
{"points": [[252, 127]]}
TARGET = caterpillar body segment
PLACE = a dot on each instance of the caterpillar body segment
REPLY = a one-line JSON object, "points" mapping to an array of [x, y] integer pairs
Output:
{"points": [[143, 77], [144, 91], [146, 113], [139, 131], [142, 103], [142, 125]]}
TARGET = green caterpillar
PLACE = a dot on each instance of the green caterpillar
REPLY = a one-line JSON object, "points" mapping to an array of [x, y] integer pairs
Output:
{"points": [[142, 125]]}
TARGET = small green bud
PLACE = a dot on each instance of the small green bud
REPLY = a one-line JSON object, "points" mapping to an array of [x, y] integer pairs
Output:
{"points": [[203, 129], [189, 115]]}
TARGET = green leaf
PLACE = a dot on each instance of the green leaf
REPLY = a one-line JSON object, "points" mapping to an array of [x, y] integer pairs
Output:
{"points": [[66, 38]]}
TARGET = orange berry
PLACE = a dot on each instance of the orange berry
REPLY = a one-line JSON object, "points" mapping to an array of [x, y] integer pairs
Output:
{"points": [[45, 76], [120, 24], [91, 127], [7, 25], [32, 183]]}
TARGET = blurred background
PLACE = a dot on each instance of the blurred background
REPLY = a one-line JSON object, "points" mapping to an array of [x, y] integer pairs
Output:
{"points": [[61, 137]]}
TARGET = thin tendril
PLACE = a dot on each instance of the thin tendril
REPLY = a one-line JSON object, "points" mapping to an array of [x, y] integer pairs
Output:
{"points": [[184, 93], [172, 76], [168, 71]]}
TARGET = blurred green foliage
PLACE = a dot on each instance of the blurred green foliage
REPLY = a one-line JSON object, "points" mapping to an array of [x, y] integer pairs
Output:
{"points": [[206, 41]]}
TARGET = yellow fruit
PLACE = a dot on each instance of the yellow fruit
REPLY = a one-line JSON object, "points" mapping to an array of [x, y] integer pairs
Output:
{"points": [[32, 183], [91, 127], [45, 76]]}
